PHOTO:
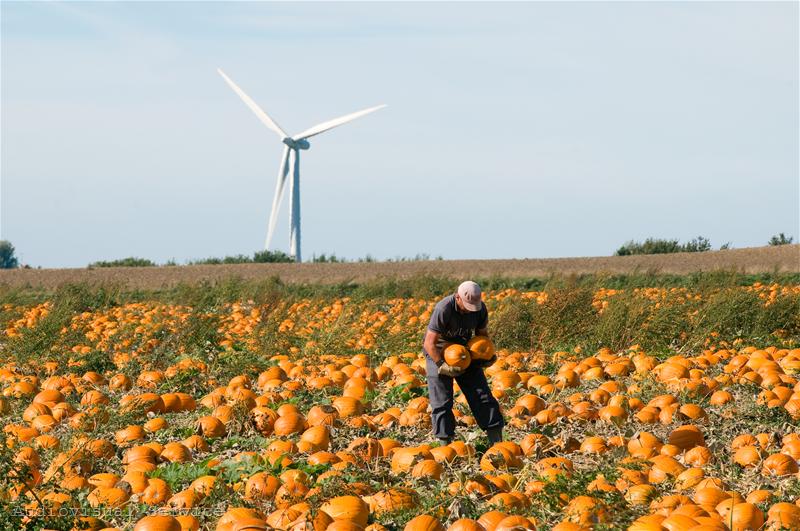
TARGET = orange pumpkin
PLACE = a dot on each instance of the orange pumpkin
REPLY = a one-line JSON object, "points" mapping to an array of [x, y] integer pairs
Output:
{"points": [[424, 522], [687, 437], [779, 465], [457, 355], [157, 523], [481, 348], [465, 524], [350, 508]]}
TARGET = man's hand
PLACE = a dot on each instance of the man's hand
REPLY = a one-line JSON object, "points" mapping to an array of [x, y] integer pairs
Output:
{"points": [[449, 370]]}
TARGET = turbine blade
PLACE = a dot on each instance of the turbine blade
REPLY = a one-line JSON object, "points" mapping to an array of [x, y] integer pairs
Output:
{"points": [[336, 122], [264, 117], [283, 172]]}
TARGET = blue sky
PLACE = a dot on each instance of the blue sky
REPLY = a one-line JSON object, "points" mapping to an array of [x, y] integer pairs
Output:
{"points": [[513, 130]]}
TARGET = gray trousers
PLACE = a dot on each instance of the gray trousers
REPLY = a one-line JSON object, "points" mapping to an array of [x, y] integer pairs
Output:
{"points": [[473, 384]]}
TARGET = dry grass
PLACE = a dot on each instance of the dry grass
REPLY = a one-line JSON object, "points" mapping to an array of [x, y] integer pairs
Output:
{"points": [[784, 258]]}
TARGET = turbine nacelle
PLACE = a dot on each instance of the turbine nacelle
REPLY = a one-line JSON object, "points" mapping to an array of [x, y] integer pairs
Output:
{"points": [[297, 144]]}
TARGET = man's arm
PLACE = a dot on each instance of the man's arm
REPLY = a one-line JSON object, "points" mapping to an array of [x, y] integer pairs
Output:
{"points": [[430, 343], [483, 329]]}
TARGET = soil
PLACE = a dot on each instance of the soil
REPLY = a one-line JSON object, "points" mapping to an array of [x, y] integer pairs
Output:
{"points": [[784, 258]]}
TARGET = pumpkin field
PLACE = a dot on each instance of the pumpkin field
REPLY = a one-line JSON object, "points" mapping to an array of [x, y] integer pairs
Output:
{"points": [[649, 404]]}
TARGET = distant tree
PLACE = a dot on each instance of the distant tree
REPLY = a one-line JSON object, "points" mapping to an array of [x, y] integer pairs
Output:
{"points": [[662, 246], [726, 246], [7, 258], [327, 259], [419, 257], [131, 261], [781, 239], [238, 259], [698, 245], [649, 246], [262, 257], [206, 261], [259, 257]]}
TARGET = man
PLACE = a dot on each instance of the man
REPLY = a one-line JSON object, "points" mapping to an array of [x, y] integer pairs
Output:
{"points": [[454, 320]]}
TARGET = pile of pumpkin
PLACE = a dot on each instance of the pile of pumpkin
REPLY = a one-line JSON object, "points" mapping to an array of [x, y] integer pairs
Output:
{"points": [[342, 441], [505, 479]]}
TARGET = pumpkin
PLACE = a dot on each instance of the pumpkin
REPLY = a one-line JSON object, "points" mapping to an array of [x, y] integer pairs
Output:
{"points": [[664, 467], [744, 517], [391, 500], [515, 523], [261, 486], [457, 355], [747, 456], [318, 437], [348, 406], [322, 414], [104, 480], [156, 493], [759, 496], [282, 519], [644, 444], [185, 499], [490, 519], [203, 485], [365, 448], [237, 517], [689, 478], [481, 348], [344, 525], [613, 414], [698, 456], [424, 522], [157, 523], [498, 457], [107, 496], [210, 426], [465, 524], [640, 494], [176, 452], [710, 496], [289, 424], [784, 515], [743, 440], [404, 458], [669, 372], [594, 445], [779, 465], [586, 510], [139, 453], [290, 493], [443, 454], [687, 437], [350, 508]]}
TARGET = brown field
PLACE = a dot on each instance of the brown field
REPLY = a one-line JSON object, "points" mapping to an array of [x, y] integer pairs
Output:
{"points": [[784, 258]]}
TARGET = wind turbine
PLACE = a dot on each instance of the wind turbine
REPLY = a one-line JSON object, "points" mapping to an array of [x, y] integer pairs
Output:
{"points": [[290, 162]]}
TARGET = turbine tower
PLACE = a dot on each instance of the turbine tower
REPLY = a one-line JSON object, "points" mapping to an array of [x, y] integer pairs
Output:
{"points": [[290, 163]]}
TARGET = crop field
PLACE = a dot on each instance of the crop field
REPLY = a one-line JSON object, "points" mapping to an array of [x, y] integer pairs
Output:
{"points": [[638, 404], [782, 258]]}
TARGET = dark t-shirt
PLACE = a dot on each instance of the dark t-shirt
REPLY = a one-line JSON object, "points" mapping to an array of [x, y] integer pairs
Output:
{"points": [[454, 326]]}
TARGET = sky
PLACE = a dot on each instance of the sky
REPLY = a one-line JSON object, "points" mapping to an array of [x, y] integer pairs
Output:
{"points": [[513, 130]]}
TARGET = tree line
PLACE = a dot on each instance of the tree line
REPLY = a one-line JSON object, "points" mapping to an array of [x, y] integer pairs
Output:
{"points": [[9, 260]]}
